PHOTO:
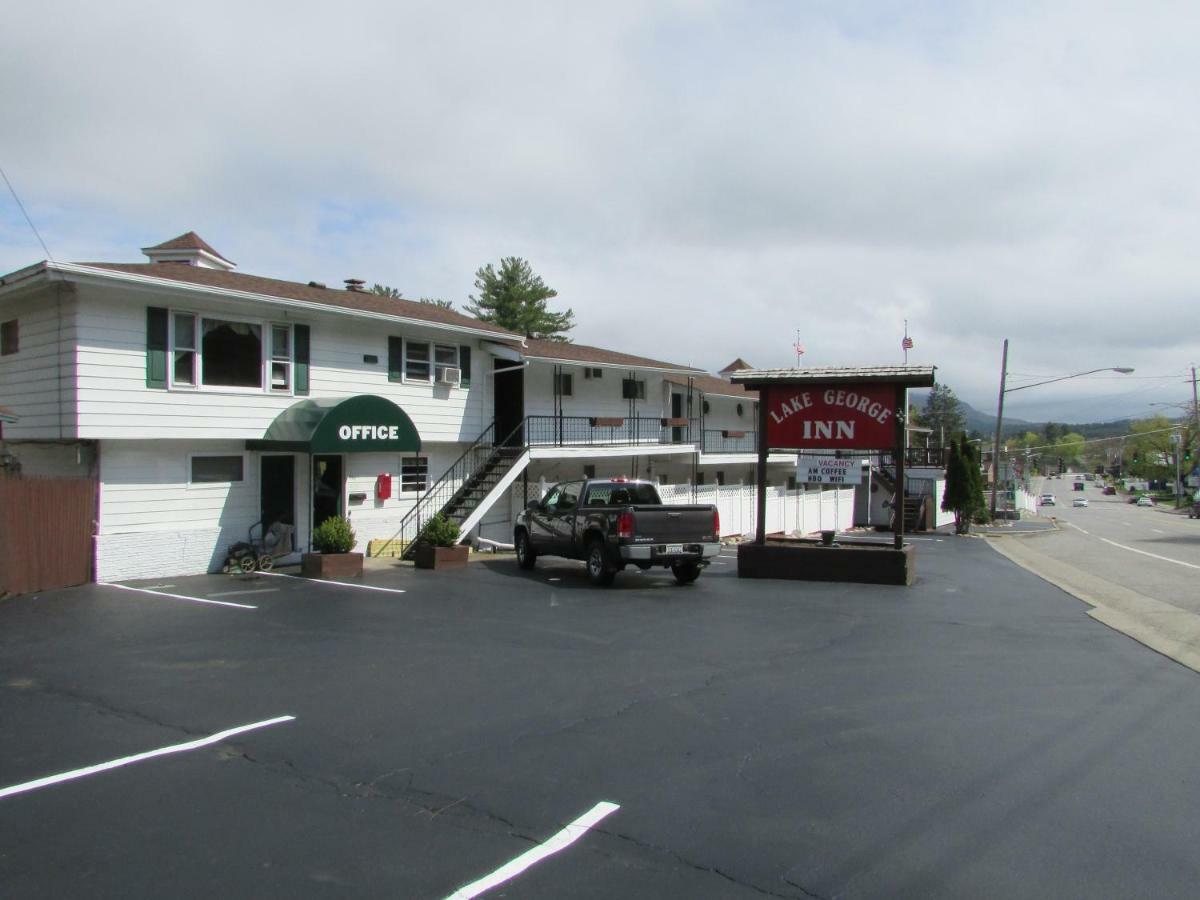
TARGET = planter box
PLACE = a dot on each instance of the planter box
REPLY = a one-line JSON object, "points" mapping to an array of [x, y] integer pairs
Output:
{"points": [[807, 560], [331, 565], [430, 557]]}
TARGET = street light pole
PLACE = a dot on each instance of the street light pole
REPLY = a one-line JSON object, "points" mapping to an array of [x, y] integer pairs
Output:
{"points": [[1124, 370]]}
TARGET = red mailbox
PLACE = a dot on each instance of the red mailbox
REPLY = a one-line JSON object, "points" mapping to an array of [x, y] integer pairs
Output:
{"points": [[383, 486]]}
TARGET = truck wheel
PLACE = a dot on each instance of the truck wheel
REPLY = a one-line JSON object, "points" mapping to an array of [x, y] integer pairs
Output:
{"points": [[600, 573], [685, 572], [525, 555]]}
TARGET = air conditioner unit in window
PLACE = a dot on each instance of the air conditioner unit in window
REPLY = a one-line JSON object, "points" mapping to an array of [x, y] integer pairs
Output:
{"points": [[451, 376]]}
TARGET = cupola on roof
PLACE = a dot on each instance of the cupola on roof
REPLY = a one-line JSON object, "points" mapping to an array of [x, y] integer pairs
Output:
{"points": [[190, 249]]}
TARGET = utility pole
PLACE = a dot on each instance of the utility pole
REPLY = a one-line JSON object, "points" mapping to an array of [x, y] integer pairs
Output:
{"points": [[999, 419]]}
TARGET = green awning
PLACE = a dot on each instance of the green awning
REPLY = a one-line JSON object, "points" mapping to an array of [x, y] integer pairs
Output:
{"points": [[362, 424]]}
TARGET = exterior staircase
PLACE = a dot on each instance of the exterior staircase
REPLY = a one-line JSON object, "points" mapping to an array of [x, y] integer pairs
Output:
{"points": [[913, 504], [467, 490]]}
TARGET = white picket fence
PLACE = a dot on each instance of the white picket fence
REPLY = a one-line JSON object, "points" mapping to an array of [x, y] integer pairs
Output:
{"points": [[797, 511]]}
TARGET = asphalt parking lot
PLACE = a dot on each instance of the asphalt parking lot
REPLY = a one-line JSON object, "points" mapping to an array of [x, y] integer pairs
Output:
{"points": [[976, 735]]}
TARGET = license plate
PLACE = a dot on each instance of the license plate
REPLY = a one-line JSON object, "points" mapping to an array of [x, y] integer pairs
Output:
{"points": [[673, 548]]}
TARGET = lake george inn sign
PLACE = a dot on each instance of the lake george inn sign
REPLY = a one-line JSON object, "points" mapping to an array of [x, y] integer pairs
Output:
{"points": [[830, 416]]}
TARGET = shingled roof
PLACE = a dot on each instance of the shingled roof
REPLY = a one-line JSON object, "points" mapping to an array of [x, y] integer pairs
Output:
{"points": [[307, 293], [561, 351], [188, 241], [717, 387]]}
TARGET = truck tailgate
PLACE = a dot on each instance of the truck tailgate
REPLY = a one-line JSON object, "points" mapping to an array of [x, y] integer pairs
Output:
{"points": [[673, 524]]}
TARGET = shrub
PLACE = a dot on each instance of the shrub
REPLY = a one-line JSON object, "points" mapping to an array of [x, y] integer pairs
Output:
{"points": [[440, 532], [333, 536]]}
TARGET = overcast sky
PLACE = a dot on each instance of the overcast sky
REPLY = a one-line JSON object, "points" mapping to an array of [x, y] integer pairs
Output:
{"points": [[697, 180]]}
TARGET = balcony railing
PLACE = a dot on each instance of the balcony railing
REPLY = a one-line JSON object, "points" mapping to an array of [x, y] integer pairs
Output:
{"points": [[599, 431], [729, 441], [925, 457]]}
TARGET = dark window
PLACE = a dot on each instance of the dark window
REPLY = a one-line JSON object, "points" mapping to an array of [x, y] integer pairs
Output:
{"points": [[633, 389], [720, 478], [414, 473], [9, 337], [231, 354], [589, 471], [444, 357], [183, 349], [216, 469], [791, 482], [566, 384], [416, 361]]}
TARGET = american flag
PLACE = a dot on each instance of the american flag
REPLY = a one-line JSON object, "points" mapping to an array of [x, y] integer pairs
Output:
{"points": [[907, 343], [799, 348]]}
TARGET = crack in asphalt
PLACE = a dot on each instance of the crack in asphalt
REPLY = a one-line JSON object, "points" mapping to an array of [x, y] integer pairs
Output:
{"points": [[105, 707], [710, 870]]}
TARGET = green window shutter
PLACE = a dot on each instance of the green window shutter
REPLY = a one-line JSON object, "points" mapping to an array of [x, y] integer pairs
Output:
{"points": [[395, 359], [156, 347], [464, 364], [300, 362]]}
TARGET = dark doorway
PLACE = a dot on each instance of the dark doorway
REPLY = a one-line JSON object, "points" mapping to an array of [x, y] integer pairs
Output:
{"points": [[509, 395], [676, 413], [327, 488], [277, 492]]}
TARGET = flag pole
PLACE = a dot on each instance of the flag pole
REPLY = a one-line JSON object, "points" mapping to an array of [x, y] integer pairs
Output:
{"points": [[904, 343]]}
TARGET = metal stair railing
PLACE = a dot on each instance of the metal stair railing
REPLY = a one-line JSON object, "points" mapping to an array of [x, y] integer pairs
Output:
{"points": [[439, 495]]}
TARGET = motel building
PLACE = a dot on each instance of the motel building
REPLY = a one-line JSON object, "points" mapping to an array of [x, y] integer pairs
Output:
{"points": [[204, 402]]}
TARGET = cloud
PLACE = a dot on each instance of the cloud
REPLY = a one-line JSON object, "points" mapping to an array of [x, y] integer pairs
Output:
{"points": [[697, 180]]}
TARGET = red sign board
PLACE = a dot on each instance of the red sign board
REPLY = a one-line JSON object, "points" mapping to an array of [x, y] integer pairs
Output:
{"points": [[830, 416]]}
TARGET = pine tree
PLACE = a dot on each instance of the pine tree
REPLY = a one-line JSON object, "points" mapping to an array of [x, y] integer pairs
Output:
{"points": [[515, 298], [964, 485]]}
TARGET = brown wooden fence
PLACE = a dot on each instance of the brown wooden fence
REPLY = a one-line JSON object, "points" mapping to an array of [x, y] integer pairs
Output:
{"points": [[46, 528]]}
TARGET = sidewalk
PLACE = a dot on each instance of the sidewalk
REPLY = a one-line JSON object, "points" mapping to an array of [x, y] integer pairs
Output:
{"points": [[1167, 629]]}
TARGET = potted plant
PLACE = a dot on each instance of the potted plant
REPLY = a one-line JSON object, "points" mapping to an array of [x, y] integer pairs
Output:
{"points": [[438, 547], [332, 542]]}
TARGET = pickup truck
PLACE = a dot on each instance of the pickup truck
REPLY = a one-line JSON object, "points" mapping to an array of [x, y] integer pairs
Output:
{"points": [[611, 523]]}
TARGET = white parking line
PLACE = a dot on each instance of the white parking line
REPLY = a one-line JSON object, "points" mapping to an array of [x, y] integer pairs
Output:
{"points": [[138, 757], [241, 593], [126, 587], [1158, 531], [1177, 562], [560, 841], [365, 587]]}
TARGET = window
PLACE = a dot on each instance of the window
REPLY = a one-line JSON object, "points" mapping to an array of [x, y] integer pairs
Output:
{"points": [[589, 471], [565, 384], [281, 358], [444, 357], [183, 350], [414, 473], [217, 469], [590, 373], [9, 337], [720, 478], [230, 353], [416, 361], [633, 389]]}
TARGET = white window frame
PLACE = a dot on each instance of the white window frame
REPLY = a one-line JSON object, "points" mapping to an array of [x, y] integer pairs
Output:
{"points": [[431, 360], [267, 340], [200, 485], [400, 490]]}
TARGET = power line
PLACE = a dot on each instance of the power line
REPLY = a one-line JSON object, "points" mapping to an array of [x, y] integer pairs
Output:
{"points": [[25, 213]]}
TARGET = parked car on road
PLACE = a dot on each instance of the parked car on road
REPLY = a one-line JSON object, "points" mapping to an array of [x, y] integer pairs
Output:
{"points": [[1080, 501], [614, 522], [1047, 500]]}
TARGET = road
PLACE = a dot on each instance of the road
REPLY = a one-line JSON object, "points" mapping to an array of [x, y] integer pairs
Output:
{"points": [[1138, 565]]}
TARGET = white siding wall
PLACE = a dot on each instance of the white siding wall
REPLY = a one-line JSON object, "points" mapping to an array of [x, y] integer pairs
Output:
{"points": [[592, 397], [375, 519], [43, 459], [152, 522], [37, 382], [114, 401], [722, 414]]}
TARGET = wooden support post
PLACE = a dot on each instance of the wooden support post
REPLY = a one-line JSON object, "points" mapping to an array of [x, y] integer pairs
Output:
{"points": [[901, 426], [760, 533]]}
